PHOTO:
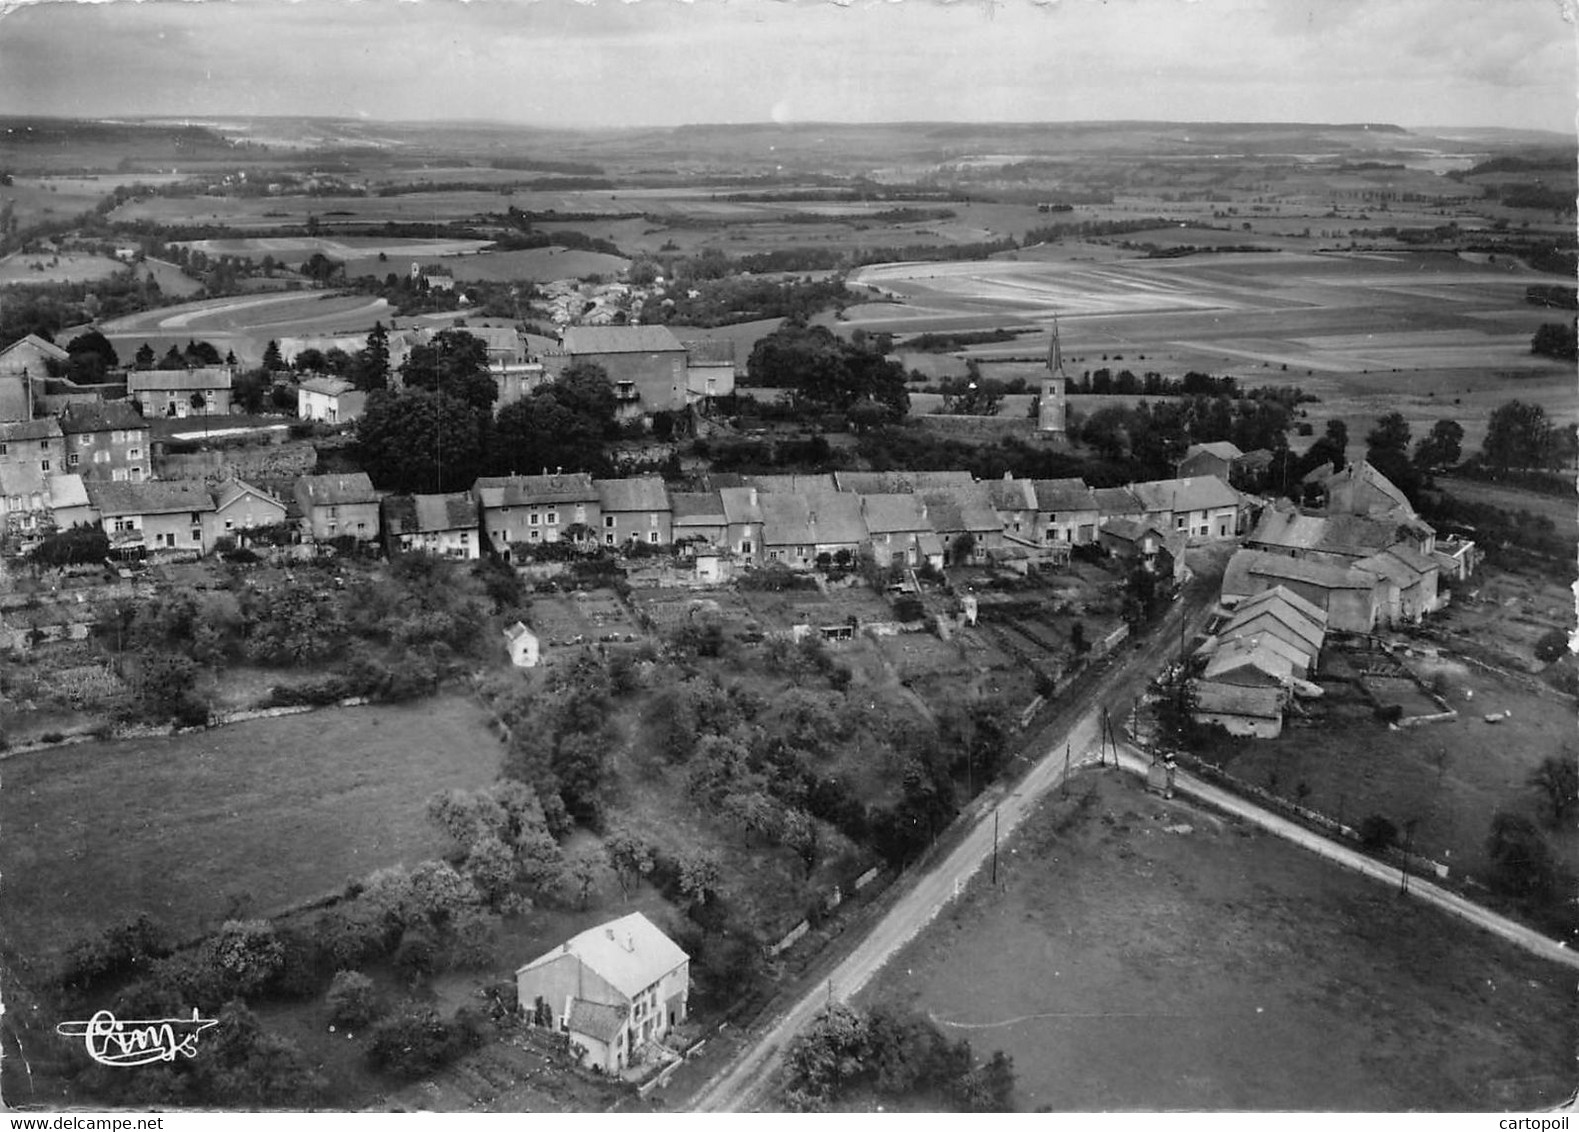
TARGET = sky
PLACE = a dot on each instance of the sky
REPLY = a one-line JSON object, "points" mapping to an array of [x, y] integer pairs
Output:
{"points": [[670, 62]]}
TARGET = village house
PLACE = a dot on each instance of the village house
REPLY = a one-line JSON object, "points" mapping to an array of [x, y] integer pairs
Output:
{"points": [[240, 507], [1282, 620], [709, 369], [69, 504], [1244, 711], [106, 440], [1117, 503], [647, 365], [332, 400], [442, 525], [965, 521], [1218, 458], [697, 519], [35, 447], [743, 524], [897, 528], [613, 989], [1147, 545], [334, 506], [635, 509], [201, 392], [1249, 662], [1203, 507], [24, 366], [154, 518], [1355, 601], [1067, 511], [803, 531], [1360, 489], [1015, 502], [537, 509]]}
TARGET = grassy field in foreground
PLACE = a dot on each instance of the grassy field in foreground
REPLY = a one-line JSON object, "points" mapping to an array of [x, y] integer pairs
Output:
{"points": [[256, 816], [1141, 954]]}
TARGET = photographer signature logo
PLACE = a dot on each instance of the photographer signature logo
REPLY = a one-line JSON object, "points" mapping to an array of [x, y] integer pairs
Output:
{"points": [[111, 1041]]}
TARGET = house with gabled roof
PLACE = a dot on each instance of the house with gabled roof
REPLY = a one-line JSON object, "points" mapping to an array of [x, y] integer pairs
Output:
{"points": [[962, 515], [240, 507], [697, 518], [24, 366], [896, 528], [1203, 507], [1149, 545], [635, 509], [1360, 489], [1015, 502], [791, 484], [1249, 711], [744, 521], [709, 368], [647, 364], [69, 504], [441, 525], [106, 440], [537, 509], [1067, 511], [1117, 503], [1214, 458], [1355, 601], [154, 518], [1251, 663], [201, 392], [333, 506], [889, 483], [612, 989], [799, 530], [332, 400]]}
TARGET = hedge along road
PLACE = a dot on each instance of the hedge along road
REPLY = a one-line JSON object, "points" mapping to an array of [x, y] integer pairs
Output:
{"points": [[1219, 799], [746, 1084]]}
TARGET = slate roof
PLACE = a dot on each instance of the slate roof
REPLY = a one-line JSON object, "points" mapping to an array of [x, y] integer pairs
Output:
{"points": [[1133, 530], [619, 340], [21, 479], [328, 386], [1391, 567], [894, 514], [231, 490], [1356, 536], [518, 491], [1249, 652], [1362, 474], [742, 504], [630, 953], [149, 498], [837, 519], [596, 1020], [1193, 493], [710, 352], [697, 508], [1276, 640], [1284, 598], [45, 347], [1065, 495], [1248, 564], [178, 380], [1117, 501], [46, 428], [1231, 699], [1222, 449], [636, 493], [324, 491], [961, 508], [430, 514], [890, 483], [100, 416], [792, 484], [1422, 563], [1011, 494], [67, 491]]}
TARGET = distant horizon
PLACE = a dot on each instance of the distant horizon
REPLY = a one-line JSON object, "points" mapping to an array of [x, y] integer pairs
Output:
{"points": [[1028, 123], [663, 64]]}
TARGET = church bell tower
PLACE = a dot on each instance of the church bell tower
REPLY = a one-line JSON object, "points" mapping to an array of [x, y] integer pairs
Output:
{"points": [[1052, 406]]}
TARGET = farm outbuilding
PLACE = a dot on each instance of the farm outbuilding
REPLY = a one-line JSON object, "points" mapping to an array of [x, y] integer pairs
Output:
{"points": [[1253, 712]]}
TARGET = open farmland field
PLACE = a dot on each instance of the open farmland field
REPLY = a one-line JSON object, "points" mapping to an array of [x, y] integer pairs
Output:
{"points": [[293, 250], [35, 199], [535, 265], [246, 324], [62, 267], [266, 813], [1142, 954], [293, 211]]}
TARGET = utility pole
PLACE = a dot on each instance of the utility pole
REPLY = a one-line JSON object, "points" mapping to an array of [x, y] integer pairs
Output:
{"points": [[995, 846], [1065, 784], [1409, 843]]}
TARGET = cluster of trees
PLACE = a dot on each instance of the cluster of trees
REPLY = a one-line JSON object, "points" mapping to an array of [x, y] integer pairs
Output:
{"points": [[1154, 436], [731, 298], [823, 372], [439, 433], [894, 1054], [1556, 340]]}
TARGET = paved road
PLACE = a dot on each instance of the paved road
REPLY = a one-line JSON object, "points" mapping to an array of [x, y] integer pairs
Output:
{"points": [[745, 1085], [1527, 938]]}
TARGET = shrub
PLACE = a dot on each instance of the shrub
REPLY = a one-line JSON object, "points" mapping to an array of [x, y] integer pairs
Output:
{"points": [[1389, 713], [1378, 833], [1551, 646], [351, 1000], [415, 1041]]}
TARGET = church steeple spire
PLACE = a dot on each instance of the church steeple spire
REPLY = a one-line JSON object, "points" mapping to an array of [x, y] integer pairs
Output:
{"points": [[1055, 354]]}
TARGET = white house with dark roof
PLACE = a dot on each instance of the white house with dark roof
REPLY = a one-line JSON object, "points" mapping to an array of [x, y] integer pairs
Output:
{"points": [[240, 507], [613, 989], [332, 400], [336, 505], [154, 518], [534, 509]]}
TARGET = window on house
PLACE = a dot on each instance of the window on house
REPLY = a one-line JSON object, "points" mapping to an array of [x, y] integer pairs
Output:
{"points": [[532, 519], [43, 446], [118, 437], [773, 555], [134, 454], [230, 525], [197, 534], [608, 520], [137, 475], [44, 465], [533, 536], [652, 536], [609, 538], [1179, 523], [581, 513], [71, 461], [101, 457], [3, 449], [552, 518], [361, 526], [118, 475], [745, 547]]}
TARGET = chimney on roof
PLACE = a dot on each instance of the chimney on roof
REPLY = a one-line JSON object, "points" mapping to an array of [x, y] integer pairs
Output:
{"points": [[609, 932]]}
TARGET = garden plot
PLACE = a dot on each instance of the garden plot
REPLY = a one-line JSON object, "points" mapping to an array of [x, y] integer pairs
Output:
{"points": [[583, 618]]}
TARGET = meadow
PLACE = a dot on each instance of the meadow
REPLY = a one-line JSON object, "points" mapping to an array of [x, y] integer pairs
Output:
{"points": [[1142, 954], [248, 818]]}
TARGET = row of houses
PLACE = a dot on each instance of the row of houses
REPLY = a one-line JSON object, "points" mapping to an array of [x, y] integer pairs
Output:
{"points": [[1263, 654]]}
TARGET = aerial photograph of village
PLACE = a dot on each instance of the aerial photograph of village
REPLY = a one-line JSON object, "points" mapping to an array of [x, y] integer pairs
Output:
{"points": [[780, 556]]}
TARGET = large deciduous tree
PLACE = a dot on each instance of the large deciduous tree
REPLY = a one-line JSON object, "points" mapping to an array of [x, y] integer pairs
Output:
{"points": [[1442, 447], [454, 363], [417, 441], [1519, 435]]}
